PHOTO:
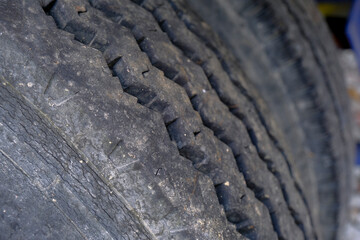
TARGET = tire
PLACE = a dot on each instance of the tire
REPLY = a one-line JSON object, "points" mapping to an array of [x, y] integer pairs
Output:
{"points": [[131, 120], [297, 73]]}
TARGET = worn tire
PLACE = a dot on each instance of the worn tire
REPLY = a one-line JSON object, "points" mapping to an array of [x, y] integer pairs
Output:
{"points": [[297, 73], [131, 120]]}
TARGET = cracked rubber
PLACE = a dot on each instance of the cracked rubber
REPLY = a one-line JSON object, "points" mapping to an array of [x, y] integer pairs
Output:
{"points": [[128, 119]]}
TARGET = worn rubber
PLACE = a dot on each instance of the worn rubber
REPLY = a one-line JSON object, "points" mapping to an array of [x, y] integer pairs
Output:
{"points": [[125, 120], [286, 51]]}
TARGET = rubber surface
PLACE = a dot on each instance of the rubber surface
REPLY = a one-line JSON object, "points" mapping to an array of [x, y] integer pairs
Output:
{"points": [[300, 79], [121, 123]]}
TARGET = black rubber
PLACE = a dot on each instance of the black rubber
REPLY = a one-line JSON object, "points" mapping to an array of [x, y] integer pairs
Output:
{"points": [[286, 51], [130, 120]]}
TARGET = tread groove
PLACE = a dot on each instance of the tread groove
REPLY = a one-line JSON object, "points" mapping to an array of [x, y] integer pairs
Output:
{"points": [[251, 134], [317, 84], [325, 75], [162, 23], [251, 99], [113, 66], [173, 75], [156, 100]]}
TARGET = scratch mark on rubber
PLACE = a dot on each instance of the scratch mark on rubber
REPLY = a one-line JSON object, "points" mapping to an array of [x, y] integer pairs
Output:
{"points": [[49, 82]]}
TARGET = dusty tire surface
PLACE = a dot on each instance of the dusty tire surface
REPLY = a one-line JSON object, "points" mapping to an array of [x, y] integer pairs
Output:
{"points": [[297, 73], [128, 119]]}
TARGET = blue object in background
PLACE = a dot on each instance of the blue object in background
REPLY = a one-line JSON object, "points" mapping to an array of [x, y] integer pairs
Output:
{"points": [[357, 154], [353, 30]]}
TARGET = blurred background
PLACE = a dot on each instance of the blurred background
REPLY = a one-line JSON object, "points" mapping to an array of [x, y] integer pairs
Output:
{"points": [[343, 19]]}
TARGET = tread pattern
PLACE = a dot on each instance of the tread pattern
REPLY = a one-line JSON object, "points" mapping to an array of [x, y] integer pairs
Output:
{"points": [[307, 71], [127, 21], [256, 68], [183, 123], [194, 47], [321, 124], [223, 150], [231, 98], [72, 87], [325, 57]]}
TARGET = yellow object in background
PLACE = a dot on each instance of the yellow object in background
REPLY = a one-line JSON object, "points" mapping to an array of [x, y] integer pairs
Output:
{"points": [[335, 9]]}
